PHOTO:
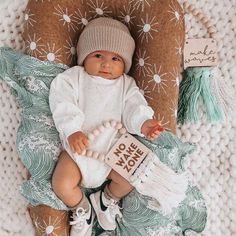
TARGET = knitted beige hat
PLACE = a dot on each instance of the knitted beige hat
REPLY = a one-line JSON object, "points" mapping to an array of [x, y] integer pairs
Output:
{"points": [[109, 35]]}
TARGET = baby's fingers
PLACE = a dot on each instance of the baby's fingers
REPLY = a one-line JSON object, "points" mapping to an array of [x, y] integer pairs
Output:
{"points": [[85, 142], [77, 147], [153, 135]]}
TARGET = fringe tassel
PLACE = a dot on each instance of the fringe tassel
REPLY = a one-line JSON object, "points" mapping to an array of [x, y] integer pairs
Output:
{"points": [[224, 94], [156, 180], [194, 86]]}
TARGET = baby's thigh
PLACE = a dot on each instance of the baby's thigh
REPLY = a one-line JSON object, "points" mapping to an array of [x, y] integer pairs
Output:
{"points": [[67, 173]]}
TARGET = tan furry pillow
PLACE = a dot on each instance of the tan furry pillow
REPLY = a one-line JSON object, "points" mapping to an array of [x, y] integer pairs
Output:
{"points": [[52, 29]]}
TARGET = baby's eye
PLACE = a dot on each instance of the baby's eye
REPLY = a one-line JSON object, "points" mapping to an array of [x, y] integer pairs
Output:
{"points": [[97, 55], [116, 59]]}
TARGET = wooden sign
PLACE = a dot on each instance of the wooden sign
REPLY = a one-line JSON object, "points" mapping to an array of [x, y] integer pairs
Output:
{"points": [[126, 155], [200, 52]]}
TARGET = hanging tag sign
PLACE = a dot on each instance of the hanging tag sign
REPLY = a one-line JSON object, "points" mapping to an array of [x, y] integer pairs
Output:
{"points": [[200, 52], [126, 155]]}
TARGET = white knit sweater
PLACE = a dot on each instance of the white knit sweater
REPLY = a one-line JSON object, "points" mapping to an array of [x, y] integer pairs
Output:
{"points": [[81, 102]]}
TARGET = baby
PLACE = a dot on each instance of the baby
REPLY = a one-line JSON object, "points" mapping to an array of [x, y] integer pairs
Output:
{"points": [[83, 97]]}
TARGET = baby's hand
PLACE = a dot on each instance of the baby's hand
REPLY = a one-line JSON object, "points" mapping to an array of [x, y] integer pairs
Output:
{"points": [[151, 129], [78, 142]]}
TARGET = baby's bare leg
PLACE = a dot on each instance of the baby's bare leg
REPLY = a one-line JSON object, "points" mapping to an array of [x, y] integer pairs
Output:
{"points": [[119, 186], [65, 180]]}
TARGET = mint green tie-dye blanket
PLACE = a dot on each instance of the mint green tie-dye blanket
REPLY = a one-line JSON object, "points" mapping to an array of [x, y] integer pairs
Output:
{"points": [[38, 146]]}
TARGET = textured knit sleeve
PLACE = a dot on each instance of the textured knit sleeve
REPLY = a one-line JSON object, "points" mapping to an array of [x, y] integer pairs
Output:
{"points": [[63, 99], [136, 109]]}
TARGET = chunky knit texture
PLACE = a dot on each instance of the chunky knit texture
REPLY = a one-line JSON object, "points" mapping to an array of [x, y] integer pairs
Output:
{"points": [[213, 166], [109, 35]]}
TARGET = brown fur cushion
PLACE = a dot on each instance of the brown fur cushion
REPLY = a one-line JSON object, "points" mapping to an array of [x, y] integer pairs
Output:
{"points": [[52, 29]]}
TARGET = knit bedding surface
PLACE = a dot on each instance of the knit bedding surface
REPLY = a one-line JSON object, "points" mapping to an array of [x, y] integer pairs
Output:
{"points": [[212, 165]]}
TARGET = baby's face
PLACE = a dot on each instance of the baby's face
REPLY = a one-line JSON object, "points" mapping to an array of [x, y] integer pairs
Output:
{"points": [[105, 64]]}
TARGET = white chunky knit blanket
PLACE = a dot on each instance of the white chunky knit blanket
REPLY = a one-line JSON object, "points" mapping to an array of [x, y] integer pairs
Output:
{"points": [[213, 165]]}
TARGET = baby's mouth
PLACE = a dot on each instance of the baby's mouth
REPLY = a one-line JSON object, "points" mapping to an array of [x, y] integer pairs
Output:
{"points": [[105, 72]]}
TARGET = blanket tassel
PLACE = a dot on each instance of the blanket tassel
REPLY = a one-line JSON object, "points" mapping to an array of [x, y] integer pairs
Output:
{"points": [[156, 180], [196, 84]]}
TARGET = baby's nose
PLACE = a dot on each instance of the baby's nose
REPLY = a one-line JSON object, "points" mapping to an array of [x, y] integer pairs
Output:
{"points": [[106, 63]]}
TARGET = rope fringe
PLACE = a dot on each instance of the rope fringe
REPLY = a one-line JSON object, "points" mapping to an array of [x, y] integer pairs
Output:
{"points": [[156, 180], [196, 85]]}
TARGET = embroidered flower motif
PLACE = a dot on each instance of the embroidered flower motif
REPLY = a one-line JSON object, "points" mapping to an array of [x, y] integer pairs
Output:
{"points": [[140, 4], [173, 109], [52, 54], [178, 48], [176, 79], [157, 79], [164, 122], [98, 9], [33, 45], [147, 28], [48, 226], [81, 19], [175, 15], [29, 19], [70, 48], [144, 89], [126, 15], [65, 17], [142, 63]]}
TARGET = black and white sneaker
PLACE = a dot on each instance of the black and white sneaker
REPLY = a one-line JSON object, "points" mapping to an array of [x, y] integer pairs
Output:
{"points": [[82, 223], [106, 210]]}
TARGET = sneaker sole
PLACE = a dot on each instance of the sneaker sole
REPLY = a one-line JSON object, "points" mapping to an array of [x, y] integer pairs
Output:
{"points": [[96, 209]]}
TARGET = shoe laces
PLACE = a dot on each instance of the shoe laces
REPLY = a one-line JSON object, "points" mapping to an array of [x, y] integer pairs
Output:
{"points": [[114, 208], [79, 217]]}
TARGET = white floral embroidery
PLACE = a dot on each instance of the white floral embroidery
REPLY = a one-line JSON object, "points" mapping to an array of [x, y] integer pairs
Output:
{"points": [[144, 89], [175, 15], [29, 19], [178, 48], [65, 17], [147, 28], [126, 15], [33, 45], [52, 53], [162, 120], [140, 3], [81, 19], [142, 63], [98, 9], [49, 224], [176, 79], [70, 49], [173, 109], [157, 79]]}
